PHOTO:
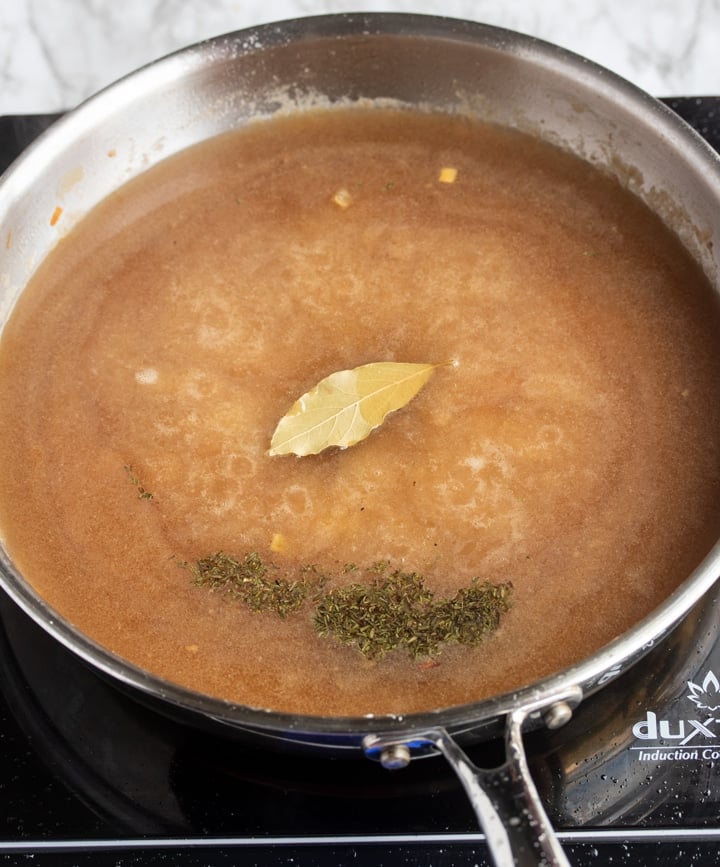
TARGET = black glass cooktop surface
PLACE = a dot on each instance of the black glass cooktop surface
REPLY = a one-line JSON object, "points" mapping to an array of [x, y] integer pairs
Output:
{"points": [[89, 775]]}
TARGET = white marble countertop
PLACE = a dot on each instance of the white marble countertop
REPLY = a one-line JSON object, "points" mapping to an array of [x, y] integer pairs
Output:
{"points": [[55, 53]]}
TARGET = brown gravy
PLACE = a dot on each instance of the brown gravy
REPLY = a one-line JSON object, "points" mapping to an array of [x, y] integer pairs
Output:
{"points": [[574, 449]]}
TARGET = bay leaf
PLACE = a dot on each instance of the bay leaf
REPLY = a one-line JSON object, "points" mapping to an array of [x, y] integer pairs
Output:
{"points": [[346, 406]]}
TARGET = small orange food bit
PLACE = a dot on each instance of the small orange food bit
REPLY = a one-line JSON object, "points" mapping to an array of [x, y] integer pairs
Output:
{"points": [[8, 240], [278, 543], [342, 198], [57, 213], [428, 664], [112, 153], [447, 175]]}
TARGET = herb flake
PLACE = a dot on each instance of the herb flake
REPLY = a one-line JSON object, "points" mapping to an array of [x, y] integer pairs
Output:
{"points": [[143, 494]]}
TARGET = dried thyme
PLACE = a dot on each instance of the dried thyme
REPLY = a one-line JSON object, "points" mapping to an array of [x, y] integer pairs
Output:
{"points": [[393, 611], [247, 580], [397, 612], [143, 494]]}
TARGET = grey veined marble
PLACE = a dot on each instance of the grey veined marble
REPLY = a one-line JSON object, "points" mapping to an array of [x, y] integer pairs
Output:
{"points": [[55, 53]]}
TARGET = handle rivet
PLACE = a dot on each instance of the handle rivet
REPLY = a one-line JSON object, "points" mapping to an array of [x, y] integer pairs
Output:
{"points": [[557, 715], [395, 757]]}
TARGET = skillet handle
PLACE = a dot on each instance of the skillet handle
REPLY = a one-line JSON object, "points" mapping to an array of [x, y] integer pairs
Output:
{"points": [[505, 800], [506, 803]]}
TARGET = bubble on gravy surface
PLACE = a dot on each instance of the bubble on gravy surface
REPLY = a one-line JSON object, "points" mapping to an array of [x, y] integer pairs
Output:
{"points": [[574, 448]]}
